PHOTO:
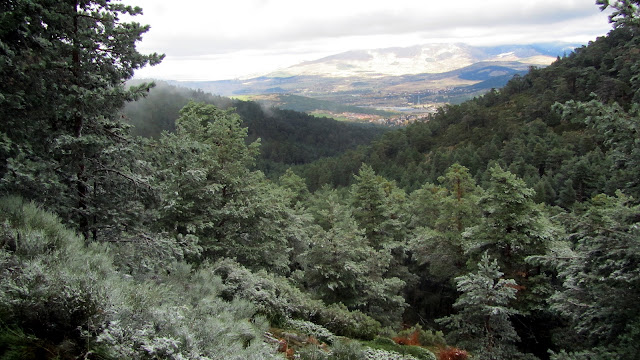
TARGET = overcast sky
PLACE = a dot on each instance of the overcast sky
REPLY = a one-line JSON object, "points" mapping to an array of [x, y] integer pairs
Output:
{"points": [[214, 40]]}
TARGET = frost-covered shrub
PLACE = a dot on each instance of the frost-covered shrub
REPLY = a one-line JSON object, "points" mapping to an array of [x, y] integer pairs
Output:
{"points": [[387, 344], [347, 350], [51, 284], [65, 298], [311, 353], [146, 255], [278, 300], [184, 317], [310, 329], [273, 296], [378, 354], [338, 319], [384, 341]]}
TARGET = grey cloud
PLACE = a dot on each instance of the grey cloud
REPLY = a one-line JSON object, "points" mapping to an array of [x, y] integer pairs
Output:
{"points": [[396, 22]]}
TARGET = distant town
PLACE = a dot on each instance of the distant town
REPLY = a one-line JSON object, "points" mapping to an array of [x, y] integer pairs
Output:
{"points": [[404, 116]]}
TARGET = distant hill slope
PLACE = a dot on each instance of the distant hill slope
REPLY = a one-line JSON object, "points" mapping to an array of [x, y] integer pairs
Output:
{"points": [[306, 104], [287, 137]]}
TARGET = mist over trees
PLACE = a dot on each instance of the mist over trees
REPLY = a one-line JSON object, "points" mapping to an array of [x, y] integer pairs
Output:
{"points": [[189, 226]]}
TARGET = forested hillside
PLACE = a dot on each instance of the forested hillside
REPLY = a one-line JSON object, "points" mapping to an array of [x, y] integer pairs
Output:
{"points": [[506, 227], [286, 137], [527, 127]]}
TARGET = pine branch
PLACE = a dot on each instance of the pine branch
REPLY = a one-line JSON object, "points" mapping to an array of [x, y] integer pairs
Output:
{"points": [[120, 173]]}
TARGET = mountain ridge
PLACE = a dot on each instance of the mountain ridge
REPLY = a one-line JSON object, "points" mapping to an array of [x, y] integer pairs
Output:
{"points": [[424, 58]]}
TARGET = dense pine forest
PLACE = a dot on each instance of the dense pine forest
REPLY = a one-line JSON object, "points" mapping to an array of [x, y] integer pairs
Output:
{"points": [[161, 223]]}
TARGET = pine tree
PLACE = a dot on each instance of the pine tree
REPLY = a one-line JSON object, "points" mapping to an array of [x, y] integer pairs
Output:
{"points": [[512, 227], [460, 210], [210, 196], [618, 130], [598, 266], [483, 322], [377, 207], [440, 216], [64, 64], [369, 204], [342, 267]]}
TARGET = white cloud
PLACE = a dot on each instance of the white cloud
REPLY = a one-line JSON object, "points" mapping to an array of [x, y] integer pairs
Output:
{"points": [[206, 39]]}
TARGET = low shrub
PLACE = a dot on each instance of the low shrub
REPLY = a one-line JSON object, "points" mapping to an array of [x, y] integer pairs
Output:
{"points": [[379, 354], [347, 350], [63, 299], [353, 324], [417, 336], [386, 344], [278, 300], [310, 329]]}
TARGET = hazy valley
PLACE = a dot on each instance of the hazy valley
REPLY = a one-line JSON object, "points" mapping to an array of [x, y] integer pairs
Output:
{"points": [[414, 80]]}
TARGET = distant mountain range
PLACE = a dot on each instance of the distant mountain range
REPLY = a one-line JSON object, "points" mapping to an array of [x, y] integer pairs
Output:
{"points": [[420, 59], [397, 77]]}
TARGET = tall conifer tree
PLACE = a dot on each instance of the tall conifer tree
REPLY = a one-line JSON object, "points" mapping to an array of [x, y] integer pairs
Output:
{"points": [[61, 85]]}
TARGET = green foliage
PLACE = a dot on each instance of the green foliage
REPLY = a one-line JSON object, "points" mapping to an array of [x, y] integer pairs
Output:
{"points": [[512, 226], [278, 300], [312, 353], [191, 236], [354, 324], [347, 350], [184, 317], [626, 13], [287, 137], [483, 322], [64, 144], [598, 268], [438, 217], [66, 299], [51, 283], [378, 350], [296, 185], [371, 209], [618, 131], [273, 296], [515, 127], [342, 265], [209, 195]]}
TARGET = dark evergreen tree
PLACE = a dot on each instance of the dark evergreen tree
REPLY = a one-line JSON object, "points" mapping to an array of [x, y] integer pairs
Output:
{"points": [[598, 266], [61, 84]]}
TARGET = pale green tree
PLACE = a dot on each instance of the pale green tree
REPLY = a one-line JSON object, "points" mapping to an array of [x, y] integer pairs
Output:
{"points": [[598, 267], [512, 227], [483, 321], [440, 214], [342, 267], [210, 196], [368, 200]]}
